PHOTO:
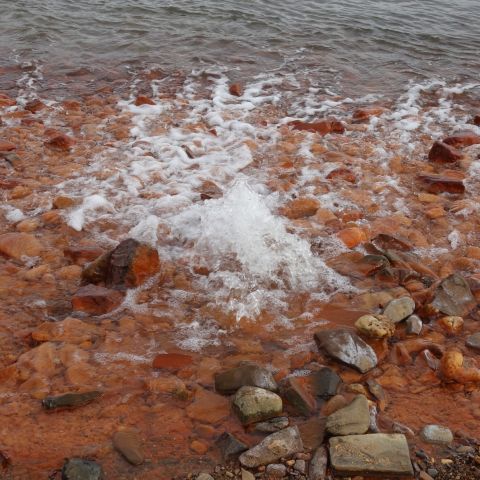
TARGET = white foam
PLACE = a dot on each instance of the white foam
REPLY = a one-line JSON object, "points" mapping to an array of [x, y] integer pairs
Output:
{"points": [[92, 203]]}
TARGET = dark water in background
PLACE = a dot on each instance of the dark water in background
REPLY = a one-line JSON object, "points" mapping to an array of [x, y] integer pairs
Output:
{"points": [[369, 45]]}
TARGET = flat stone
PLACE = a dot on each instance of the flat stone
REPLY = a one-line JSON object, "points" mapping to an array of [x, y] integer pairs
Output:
{"points": [[208, 407], [299, 399], [70, 400], [18, 245], [244, 375], [473, 341], [312, 432], [272, 425], [347, 347], [399, 309], [375, 326], [435, 183], [280, 444], [414, 325], [443, 152], [130, 446], [276, 470], [253, 404], [352, 419], [436, 434], [96, 300], [325, 383], [230, 446], [454, 297], [318, 464], [79, 469], [373, 454]]}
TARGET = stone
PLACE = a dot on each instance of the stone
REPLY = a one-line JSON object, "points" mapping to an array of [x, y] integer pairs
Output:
{"points": [[444, 153], [399, 309], [18, 245], [244, 375], [96, 271], [81, 255], [365, 113], [79, 469], [280, 444], [299, 399], [35, 106], [436, 434], [374, 454], [473, 341], [96, 300], [208, 407], [129, 444], [70, 330], [246, 475], [62, 202], [413, 325], [60, 142], [235, 89], [230, 446], [7, 146], [335, 403], [70, 400], [462, 139], [318, 464], [352, 419], [300, 466], [377, 391], [352, 236], [253, 404], [276, 470], [172, 361], [347, 347], [325, 383], [342, 174], [435, 183], [451, 324], [143, 100], [323, 127], [199, 447], [300, 208], [272, 425], [312, 432], [454, 297], [204, 476], [375, 326]]}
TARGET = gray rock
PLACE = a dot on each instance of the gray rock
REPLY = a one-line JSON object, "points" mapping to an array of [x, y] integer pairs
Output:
{"points": [[246, 475], [272, 425], [436, 434], [347, 347], [473, 341], [378, 392], [230, 446], [325, 383], [276, 470], [277, 445], [399, 309], [130, 446], [454, 297], [352, 419], [414, 325], [312, 432], [318, 464], [79, 469], [373, 454], [253, 404], [244, 375], [300, 401], [204, 476], [300, 466]]}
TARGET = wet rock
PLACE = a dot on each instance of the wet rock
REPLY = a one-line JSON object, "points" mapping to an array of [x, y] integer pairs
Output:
{"points": [[378, 393], [350, 420], [312, 432], [373, 454], [335, 403], [473, 341], [204, 476], [246, 475], [318, 464], [172, 361], [365, 113], [342, 174], [375, 326], [300, 208], [143, 100], [60, 142], [79, 469], [476, 120], [81, 255], [35, 106], [299, 399], [276, 470], [272, 425], [253, 404], [18, 245], [436, 434], [62, 202], [414, 325], [235, 89], [280, 444], [444, 153], [442, 184], [451, 324], [96, 271], [452, 368], [244, 375], [325, 383], [71, 330], [462, 139], [230, 447], [130, 446], [347, 347], [454, 297], [399, 309], [208, 407], [321, 126], [7, 146], [96, 300], [300, 466], [70, 400], [352, 236]]}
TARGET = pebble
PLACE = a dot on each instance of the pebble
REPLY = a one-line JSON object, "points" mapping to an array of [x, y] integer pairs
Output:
{"points": [[325, 383], [79, 469], [69, 400], [253, 404], [352, 419], [375, 326], [473, 341], [436, 434], [276, 470], [451, 324], [414, 325], [129, 445], [399, 309]]}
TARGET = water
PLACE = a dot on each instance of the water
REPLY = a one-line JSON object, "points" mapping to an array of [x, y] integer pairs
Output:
{"points": [[358, 45]]}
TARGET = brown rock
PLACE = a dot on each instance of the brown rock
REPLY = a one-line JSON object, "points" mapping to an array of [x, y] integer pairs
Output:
{"points": [[35, 106], [299, 399], [62, 202], [71, 330], [17, 245], [442, 184], [451, 324], [143, 100], [443, 153], [172, 361], [7, 146], [81, 255], [96, 300], [300, 208], [462, 139], [235, 89], [352, 236], [208, 407], [476, 120], [199, 447], [321, 126], [363, 114], [335, 403], [60, 142], [129, 444], [342, 174], [96, 271], [312, 432]]}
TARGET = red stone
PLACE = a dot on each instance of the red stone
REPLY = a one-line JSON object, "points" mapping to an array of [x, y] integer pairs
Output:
{"points": [[444, 153], [236, 89], [71, 105], [441, 183], [35, 106], [7, 102], [81, 255], [60, 142], [172, 361], [143, 100], [300, 208], [7, 146], [342, 174], [321, 126], [96, 300], [462, 139], [363, 114]]}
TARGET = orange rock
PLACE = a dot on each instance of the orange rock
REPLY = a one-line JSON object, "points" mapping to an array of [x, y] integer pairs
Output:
{"points": [[172, 361], [71, 330], [60, 142], [235, 89], [37, 385], [143, 100], [62, 202], [166, 384], [7, 146], [199, 447], [42, 359], [321, 126], [363, 114], [96, 300], [208, 407], [462, 139], [35, 106], [342, 174], [473, 252], [80, 374], [72, 354], [442, 183], [451, 324], [443, 153], [300, 208], [81, 255], [352, 236], [7, 102], [70, 272], [435, 212], [17, 245], [452, 368]]}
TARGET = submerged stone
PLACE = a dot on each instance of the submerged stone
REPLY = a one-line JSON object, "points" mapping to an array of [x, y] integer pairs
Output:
{"points": [[230, 446], [299, 399], [79, 469], [399, 309], [130, 446], [444, 153], [454, 297], [96, 300], [244, 375], [325, 383], [70, 400], [352, 419], [253, 404]]}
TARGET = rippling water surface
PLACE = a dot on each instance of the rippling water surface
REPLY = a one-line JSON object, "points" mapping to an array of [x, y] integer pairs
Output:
{"points": [[362, 43]]}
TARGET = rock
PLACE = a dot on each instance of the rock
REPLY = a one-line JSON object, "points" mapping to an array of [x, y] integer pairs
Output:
{"points": [[373, 454], [300, 208], [399, 309], [476, 120], [143, 100], [451, 324], [377, 391], [71, 330], [62, 202], [300, 466], [96, 271], [414, 325], [130, 446], [352, 419], [442, 184], [172, 361], [452, 368], [276, 470], [436, 434], [230, 446], [272, 425], [253, 404], [7, 146], [347, 347], [300, 400], [444, 153], [80, 255], [208, 407], [79, 469], [244, 375], [204, 476], [335, 403], [342, 174], [312, 432], [473, 341], [246, 475], [280, 444], [321, 126], [365, 113], [18, 245], [35, 106], [318, 465], [70, 400], [375, 326], [96, 300], [60, 142], [325, 383], [462, 139], [454, 297], [235, 89], [352, 236]]}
